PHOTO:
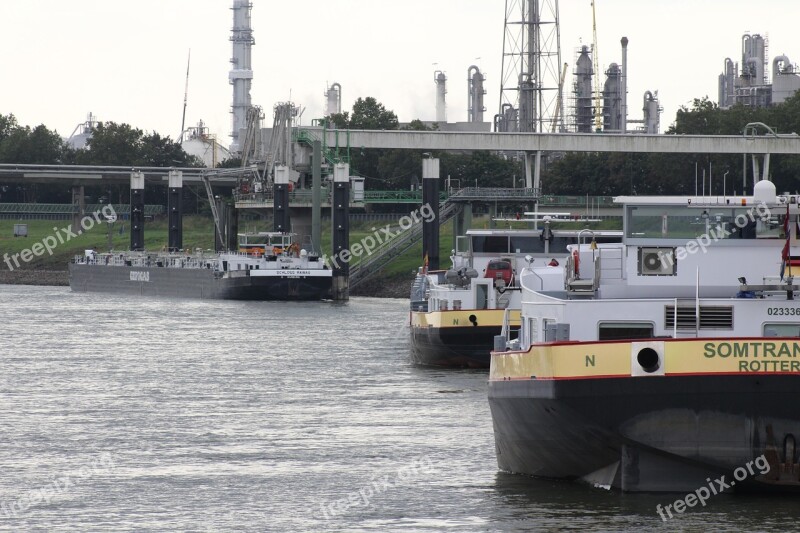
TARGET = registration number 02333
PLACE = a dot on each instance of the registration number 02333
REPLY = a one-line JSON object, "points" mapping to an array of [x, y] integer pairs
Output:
{"points": [[783, 311]]}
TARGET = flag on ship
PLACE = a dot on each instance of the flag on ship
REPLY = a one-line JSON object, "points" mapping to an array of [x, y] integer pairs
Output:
{"points": [[785, 252]]}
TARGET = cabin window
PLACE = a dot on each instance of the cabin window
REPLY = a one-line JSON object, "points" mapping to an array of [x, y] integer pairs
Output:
{"points": [[520, 244], [499, 265], [481, 296], [533, 330], [689, 222], [490, 244], [610, 331], [782, 330]]}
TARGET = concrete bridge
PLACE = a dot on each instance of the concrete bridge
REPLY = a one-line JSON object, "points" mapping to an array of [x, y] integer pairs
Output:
{"points": [[76, 175], [567, 142]]}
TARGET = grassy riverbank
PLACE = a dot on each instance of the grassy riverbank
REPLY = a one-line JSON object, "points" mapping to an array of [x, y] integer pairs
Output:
{"points": [[198, 232], [23, 266]]}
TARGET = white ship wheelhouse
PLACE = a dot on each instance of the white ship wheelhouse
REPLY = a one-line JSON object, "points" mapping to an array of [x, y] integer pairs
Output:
{"points": [[687, 267]]}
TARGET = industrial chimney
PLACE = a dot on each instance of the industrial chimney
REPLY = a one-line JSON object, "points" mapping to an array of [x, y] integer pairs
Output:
{"points": [[624, 86], [333, 100], [241, 74], [441, 90]]}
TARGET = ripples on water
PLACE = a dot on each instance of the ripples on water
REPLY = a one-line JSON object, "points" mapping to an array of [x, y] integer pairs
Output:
{"points": [[232, 416]]}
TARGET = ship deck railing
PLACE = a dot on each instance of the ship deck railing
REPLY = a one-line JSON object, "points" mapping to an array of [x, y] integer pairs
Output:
{"points": [[162, 260]]}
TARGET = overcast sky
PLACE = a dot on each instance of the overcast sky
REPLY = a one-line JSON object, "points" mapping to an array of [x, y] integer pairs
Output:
{"points": [[125, 60]]}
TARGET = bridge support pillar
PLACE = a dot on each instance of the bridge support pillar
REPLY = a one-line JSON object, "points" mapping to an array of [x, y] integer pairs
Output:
{"points": [[461, 223], [340, 226], [79, 200], [175, 211], [492, 215], [137, 211], [280, 210], [430, 225], [458, 227], [533, 169], [316, 198]]}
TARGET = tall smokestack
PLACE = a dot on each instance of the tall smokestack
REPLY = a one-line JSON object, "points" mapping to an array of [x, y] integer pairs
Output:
{"points": [[441, 90], [624, 86], [241, 74]]}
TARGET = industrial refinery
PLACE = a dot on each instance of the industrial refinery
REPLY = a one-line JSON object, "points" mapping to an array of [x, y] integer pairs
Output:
{"points": [[543, 87], [538, 91], [536, 94], [748, 83]]}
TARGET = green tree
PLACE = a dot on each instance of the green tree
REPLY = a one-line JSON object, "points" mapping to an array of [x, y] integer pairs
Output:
{"points": [[369, 114], [25, 146], [114, 145], [123, 145], [8, 123]]}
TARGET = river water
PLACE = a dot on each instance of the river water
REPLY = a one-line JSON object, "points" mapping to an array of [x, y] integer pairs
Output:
{"points": [[132, 414]]}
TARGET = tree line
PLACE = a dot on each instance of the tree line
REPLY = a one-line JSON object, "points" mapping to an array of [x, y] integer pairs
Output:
{"points": [[393, 169], [111, 144], [651, 174]]}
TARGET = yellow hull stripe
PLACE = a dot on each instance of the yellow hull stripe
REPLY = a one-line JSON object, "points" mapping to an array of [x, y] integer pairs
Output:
{"points": [[460, 319], [678, 357]]}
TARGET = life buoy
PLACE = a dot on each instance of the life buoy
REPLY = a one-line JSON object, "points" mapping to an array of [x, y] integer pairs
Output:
{"points": [[576, 261]]}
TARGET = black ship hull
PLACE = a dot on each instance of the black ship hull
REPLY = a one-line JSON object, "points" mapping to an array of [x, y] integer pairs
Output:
{"points": [[654, 434], [463, 347], [197, 283], [462, 338]]}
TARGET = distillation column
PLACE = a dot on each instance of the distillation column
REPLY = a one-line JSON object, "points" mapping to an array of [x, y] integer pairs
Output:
{"points": [[241, 74], [475, 107]]}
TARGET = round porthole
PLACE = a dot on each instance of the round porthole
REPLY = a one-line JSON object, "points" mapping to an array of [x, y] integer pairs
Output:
{"points": [[648, 359]]}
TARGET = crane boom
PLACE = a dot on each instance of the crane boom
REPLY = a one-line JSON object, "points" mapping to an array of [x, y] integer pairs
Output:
{"points": [[185, 97], [598, 111]]}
